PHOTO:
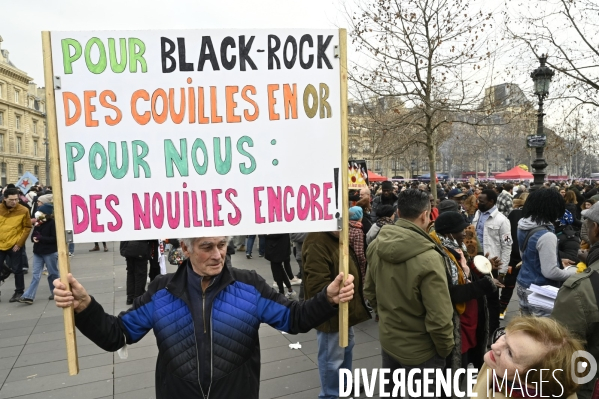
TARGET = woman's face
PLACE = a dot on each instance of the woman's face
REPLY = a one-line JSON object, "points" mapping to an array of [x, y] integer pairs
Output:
{"points": [[587, 205], [562, 192], [514, 351]]}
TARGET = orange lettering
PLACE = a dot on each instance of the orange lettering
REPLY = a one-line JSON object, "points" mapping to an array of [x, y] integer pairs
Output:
{"points": [[213, 106], [141, 119], [89, 108], [192, 105], [119, 115], [159, 118], [231, 104], [250, 117], [290, 100], [272, 115], [201, 117], [177, 118], [66, 97]]}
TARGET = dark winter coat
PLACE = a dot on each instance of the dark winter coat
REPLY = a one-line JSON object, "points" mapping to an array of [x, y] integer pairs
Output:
{"points": [[46, 236], [136, 249], [278, 247], [237, 303], [568, 243]]}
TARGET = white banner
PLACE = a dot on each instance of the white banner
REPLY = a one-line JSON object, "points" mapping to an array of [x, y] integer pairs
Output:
{"points": [[198, 132]]}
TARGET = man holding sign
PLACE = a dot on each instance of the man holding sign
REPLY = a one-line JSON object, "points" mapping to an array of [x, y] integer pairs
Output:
{"points": [[205, 317]]}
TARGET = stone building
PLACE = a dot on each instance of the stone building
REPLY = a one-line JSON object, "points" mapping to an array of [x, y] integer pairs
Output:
{"points": [[22, 123]]}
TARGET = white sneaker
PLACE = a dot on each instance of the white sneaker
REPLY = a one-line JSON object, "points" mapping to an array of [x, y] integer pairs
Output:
{"points": [[290, 294], [71, 254], [295, 281]]}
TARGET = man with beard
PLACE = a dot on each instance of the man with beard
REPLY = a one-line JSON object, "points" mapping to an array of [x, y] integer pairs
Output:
{"points": [[387, 197], [15, 225], [577, 302]]}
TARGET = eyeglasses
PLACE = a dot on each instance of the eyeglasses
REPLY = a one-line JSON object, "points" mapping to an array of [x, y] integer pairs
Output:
{"points": [[500, 332], [11, 200]]}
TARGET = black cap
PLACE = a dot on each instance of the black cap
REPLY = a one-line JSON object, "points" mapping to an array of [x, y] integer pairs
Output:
{"points": [[387, 185], [450, 222]]}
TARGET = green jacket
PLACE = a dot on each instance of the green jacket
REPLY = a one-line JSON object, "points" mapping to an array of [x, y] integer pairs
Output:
{"points": [[576, 308], [320, 259], [407, 282]]}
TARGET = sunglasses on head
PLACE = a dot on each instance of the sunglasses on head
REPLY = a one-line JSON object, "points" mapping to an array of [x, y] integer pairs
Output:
{"points": [[500, 332]]}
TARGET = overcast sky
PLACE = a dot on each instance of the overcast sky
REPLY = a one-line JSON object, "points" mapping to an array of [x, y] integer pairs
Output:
{"points": [[23, 21]]}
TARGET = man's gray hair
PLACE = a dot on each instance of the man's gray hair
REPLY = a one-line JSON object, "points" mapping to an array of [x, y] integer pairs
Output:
{"points": [[191, 240]]}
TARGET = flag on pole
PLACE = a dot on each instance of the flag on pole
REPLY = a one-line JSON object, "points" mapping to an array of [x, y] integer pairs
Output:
{"points": [[26, 182]]}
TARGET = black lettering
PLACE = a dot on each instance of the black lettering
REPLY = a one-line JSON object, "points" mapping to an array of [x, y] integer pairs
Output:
{"points": [[306, 39], [289, 63], [183, 65], [209, 55], [227, 42], [244, 51], [322, 47], [272, 50], [166, 55]]}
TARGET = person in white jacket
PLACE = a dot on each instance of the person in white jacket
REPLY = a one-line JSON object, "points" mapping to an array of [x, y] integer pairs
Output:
{"points": [[494, 234]]}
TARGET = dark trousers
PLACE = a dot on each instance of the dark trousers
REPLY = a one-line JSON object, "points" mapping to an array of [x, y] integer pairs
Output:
{"points": [[15, 261], [137, 271], [507, 292], [154, 263], [389, 362], [261, 244], [493, 307], [280, 276]]}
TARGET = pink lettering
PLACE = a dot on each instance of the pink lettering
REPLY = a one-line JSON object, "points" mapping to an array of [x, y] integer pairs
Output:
{"points": [[257, 204], [139, 214], [326, 200], [119, 221], [274, 205], [303, 204], [216, 207], [173, 220], [157, 210], [288, 212], [77, 202], [233, 220]]}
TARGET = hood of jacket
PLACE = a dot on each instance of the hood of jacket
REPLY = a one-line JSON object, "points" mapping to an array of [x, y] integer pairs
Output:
{"points": [[402, 241], [528, 224]]}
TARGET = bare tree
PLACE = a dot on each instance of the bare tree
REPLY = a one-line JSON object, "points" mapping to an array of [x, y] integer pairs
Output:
{"points": [[427, 53], [568, 31]]}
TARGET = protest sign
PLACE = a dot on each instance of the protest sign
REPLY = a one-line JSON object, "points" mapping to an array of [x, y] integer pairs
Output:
{"points": [[26, 181], [196, 133], [358, 174], [190, 133]]}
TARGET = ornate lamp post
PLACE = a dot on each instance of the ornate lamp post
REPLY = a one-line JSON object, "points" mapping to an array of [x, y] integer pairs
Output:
{"points": [[508, 164], [541, 78], [413, 165], [489, 170]]}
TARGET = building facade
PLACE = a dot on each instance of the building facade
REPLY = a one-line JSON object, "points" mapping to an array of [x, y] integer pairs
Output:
{"points": [[22, 124]]}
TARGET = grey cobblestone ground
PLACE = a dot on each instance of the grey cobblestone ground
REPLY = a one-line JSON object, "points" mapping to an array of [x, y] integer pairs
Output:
{"points": [[33, 355]]}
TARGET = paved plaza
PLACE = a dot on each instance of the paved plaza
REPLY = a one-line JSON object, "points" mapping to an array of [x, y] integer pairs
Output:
{"points": [[33, 355]]}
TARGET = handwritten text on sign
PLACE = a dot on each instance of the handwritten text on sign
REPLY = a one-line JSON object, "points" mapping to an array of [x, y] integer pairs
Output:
{"points": [[191, 133]]}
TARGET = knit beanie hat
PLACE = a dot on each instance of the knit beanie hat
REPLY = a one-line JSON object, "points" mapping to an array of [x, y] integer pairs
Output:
{"points": [[46, 199], [450, 222], [355, 213]]}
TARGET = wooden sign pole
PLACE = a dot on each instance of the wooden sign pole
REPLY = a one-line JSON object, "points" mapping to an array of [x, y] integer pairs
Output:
{"points": [[344, 235], [63, 258]]}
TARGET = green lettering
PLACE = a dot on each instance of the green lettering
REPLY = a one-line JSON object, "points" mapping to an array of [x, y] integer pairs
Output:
{"points": [[117, 67], [199, 144], [137, 48], [179, 159], [67, 58], [97, 172], [138, 158], [222, 166], [118, 173], [242, 166], [71, 159], [102, 62]]}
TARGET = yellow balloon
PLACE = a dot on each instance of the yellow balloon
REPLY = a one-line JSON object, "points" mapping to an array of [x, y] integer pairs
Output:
{"points": [[524, 167]]}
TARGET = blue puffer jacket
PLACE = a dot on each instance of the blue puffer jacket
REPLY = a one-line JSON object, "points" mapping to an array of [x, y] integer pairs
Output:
{"points": [[225, 358]]}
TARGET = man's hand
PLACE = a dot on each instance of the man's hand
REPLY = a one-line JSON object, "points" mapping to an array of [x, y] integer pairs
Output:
{"points": [[567, 262], [336, 294], [495, 262], [77, 297], [15, 248]]}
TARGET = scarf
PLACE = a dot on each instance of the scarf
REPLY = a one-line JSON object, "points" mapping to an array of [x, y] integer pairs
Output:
{"points": [[593, 255], [456, 272], [355, 224], [384, 221]]}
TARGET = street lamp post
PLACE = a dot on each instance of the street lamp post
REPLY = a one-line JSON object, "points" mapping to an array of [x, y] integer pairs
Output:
{"points": [[489, 170], [561, 171], [508, 163], [413, 165], [541, 78]]}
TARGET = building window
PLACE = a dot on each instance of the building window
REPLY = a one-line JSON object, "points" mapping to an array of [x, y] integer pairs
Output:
{"points": [[20, 170], [19, 143], [34, 127], [378, 164], [3, 174], [1, 90], [367, 146], [1, 142], [1, 118], [18, 122], [36, 171], [35, 147], [17, 93]]}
